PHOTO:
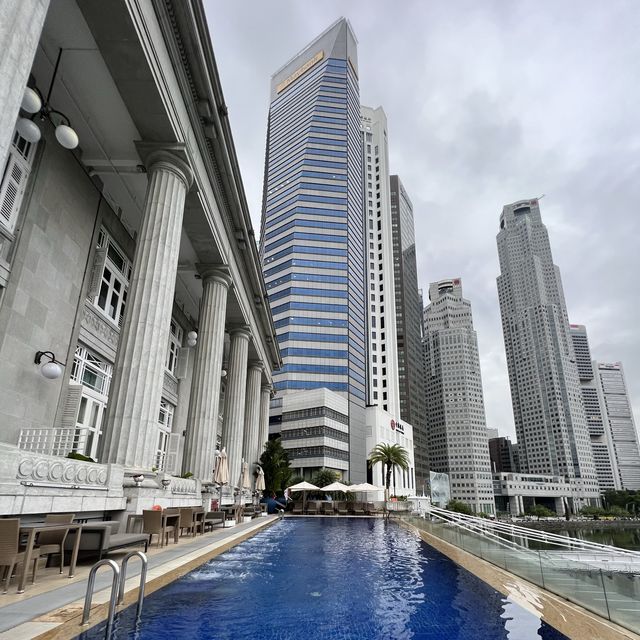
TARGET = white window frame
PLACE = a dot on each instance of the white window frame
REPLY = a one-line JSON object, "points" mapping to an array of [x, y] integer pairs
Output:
{"points": [[85, 362], [173, 348], [165, 423], [13, 182], [114, 280]]}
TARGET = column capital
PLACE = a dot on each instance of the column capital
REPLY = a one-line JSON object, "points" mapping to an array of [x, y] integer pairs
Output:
{"points": [[267, 388], [170, 156], [242, 331], [255, 364], [214, 272]]}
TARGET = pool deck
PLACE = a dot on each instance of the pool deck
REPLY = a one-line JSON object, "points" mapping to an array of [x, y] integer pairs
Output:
{"points": [[52, 608], [568, 618]]}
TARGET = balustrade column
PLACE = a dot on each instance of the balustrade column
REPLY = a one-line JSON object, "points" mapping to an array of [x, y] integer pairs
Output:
{"points": [[131, 433], [234, 401], [263, 434], [204, 402], [252, 413]]}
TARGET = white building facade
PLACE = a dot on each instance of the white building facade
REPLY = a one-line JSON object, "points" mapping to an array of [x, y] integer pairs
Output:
{"points": [[458, 443]]}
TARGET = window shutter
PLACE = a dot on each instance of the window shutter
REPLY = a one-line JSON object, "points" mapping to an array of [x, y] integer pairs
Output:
{"points": [[99, 261], [71, 406], [173, 453], [183, 363], [12, 189]]}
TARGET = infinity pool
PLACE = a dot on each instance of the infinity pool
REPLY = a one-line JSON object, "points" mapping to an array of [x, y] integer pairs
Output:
{"points": [[333, 578]]}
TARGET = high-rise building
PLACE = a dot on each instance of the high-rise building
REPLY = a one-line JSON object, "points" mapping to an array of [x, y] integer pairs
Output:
{"points": [[545, 389], [503, 454], [312, 245], [455, 405], [382, 342], [408, 305], [618, 419], [599, 432]]}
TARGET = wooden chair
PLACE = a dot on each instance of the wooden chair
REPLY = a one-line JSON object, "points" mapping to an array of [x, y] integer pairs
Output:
{"points": [[153, 524], [198, 520], [52, 542], [186, 520], [10, 554]]}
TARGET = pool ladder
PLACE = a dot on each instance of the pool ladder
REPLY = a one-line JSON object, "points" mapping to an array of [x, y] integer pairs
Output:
{"points": [[117, 588]]}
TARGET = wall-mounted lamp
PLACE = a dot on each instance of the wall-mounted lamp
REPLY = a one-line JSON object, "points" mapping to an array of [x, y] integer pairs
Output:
{"points": [[52, 369], [192, 339], [33, 102], [223, 373], [165, 483], [139, 479]]}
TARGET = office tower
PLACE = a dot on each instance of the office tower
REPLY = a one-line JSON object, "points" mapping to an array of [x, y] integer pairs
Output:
{"points": [[409, 325], [455, 406], [503, 454], [312, 246], [599, 432], [618, 419], [545, 390], [382, 342]]}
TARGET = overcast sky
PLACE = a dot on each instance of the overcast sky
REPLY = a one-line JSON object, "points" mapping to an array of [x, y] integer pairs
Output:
{"points": [[487, 103]]}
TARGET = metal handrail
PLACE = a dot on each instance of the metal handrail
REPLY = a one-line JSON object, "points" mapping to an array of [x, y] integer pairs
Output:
{"points": [[112, 598], [143, 577]]}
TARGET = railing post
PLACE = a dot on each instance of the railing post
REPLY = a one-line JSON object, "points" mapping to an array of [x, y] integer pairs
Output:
{"points": [[143, 578], [112, 598]]}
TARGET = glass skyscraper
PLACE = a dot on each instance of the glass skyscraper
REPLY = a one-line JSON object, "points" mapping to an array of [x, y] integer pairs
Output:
{"points": [[312, 246]]}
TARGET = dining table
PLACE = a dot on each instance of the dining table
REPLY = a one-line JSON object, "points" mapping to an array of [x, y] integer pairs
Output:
{"points": [[32, 530]]}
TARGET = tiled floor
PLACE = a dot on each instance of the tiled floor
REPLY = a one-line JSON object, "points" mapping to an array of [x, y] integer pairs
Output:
{"points": [[53, 605]]}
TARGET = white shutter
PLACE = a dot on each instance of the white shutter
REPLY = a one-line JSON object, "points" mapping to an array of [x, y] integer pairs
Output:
{"points": [[12, 188], [183, 363], [173, 454], [99, 261], [71, 406]]}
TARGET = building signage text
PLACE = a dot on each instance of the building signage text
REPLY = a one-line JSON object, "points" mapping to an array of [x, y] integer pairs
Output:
{"points": [[298, 72]]}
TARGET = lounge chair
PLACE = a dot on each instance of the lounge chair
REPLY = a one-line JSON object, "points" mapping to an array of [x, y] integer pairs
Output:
{"points": [[358, 509], [312, 508], [297, 508], [342, 509], [211, 518], [327, 508], [10, 554], [100, 538], [52, 542], [153, 522]]}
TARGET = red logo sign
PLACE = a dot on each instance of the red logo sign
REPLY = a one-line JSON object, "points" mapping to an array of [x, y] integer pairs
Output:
{"points": [[393, 424]]}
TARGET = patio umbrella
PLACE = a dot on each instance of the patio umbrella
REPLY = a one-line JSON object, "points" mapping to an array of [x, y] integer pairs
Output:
{"points": [[221, 471], [337, 486], [260, 484], [365, 487], [304, 487]]}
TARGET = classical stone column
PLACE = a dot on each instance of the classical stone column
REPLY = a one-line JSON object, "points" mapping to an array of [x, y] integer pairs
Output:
{"points": [[263, 434], [234, 401], [252, 414], [131, 432], [21, 24], [202, 421]]}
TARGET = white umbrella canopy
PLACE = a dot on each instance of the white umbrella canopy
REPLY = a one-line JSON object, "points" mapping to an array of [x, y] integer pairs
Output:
{"points": [[304, 487], [221, 471], [365, 487], [245, 480], [337, 486], [260, 484]]}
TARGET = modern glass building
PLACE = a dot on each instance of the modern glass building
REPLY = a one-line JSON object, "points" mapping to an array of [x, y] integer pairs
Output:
{"points": [[312, 246]]}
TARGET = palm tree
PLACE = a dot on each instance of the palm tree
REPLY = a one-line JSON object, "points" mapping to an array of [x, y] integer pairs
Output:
{"points": [[275, 464], [390, 455]]}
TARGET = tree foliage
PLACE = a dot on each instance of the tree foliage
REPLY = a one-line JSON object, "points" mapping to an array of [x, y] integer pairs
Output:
{"points": [[275, 464], [459, 507], [390, 455], [540, 511], [323, 477]]}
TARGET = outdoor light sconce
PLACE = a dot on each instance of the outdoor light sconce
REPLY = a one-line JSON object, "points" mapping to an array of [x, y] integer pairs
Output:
{"points": [[34, 103], [52, 369], [192, 339], [165, 483], [139, 479]]}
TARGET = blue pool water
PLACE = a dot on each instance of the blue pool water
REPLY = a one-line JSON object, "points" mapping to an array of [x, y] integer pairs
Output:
{"points": [[339, 579]]}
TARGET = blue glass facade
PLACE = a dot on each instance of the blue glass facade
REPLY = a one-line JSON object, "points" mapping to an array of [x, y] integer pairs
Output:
{"points": [[312, 236]]}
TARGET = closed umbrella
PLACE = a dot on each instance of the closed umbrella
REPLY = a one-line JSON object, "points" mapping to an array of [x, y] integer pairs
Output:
{"points": [[304, 487], [245, 480], [221, 471], [260, 484]]}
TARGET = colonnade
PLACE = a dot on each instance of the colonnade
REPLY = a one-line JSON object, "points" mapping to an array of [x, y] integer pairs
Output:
{"points": [[132, 423]]}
